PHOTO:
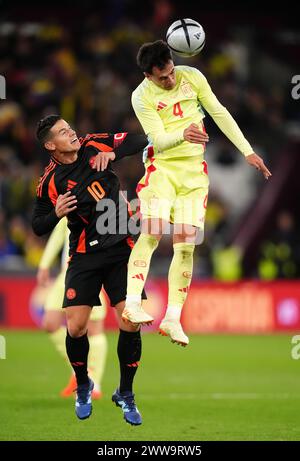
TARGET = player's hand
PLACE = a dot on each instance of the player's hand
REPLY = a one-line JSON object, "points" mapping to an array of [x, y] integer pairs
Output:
{"points": [[193, 134], [43, 277], [256, 161], [65, 204], [101, 160]]}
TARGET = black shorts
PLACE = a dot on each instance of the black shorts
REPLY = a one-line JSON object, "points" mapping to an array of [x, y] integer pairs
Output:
{"points": [[88, 272]]}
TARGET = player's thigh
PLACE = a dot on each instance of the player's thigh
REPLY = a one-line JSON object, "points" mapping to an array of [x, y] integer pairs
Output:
{"points": [[83, 281], [115, 274], [156, 194], [189, 214]]}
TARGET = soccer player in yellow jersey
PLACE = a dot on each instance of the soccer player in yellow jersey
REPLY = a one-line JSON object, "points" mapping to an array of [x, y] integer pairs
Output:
{"points": [[169, 104], [54, 317]]}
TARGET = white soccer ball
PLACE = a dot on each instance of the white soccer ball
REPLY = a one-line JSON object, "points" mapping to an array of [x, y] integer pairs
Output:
{"points": [[185, 37]]}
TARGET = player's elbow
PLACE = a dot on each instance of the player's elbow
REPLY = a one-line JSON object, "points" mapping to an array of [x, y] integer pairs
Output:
{"points": [[218, 111], [139, 142], [157, 141], [36, 227]]}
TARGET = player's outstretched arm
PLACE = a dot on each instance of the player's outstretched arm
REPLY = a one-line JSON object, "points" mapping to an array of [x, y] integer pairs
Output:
{"points": [[131, 144], [123, 145], [256, 161]]}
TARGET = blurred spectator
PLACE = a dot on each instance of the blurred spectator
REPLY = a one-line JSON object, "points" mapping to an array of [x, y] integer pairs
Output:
{"points": [[7, 248], [227, 263], [280, 253], [33, 250]]}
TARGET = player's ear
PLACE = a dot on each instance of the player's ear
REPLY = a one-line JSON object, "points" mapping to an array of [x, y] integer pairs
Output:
{"points": [[147, 75], [49, 145]]}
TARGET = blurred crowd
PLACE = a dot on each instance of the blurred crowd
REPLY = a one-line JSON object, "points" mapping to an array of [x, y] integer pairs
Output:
{"points": [[86, 71]]}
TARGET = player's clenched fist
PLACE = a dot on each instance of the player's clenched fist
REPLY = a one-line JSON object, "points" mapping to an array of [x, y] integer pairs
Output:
{"points": [[193, 134], [65, 204]]}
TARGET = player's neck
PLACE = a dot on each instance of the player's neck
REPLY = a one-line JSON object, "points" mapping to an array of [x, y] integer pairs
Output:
{"points": [[65, 157]]}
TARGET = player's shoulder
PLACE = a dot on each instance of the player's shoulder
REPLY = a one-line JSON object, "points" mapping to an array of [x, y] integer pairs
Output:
{"points": [[189, 72], [93, 143], [86, 140], [49, 170], [46, 177], [142, 90]]}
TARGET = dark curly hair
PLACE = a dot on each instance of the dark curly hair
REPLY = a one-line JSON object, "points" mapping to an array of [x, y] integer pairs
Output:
{"points": [[153, 54]]}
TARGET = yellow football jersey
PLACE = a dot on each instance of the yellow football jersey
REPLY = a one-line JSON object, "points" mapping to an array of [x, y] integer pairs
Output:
{"points": [[164, 114], [58, 240]]}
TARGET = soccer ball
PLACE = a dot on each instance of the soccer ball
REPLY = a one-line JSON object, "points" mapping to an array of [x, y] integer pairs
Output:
{"points": [[186, 37]]}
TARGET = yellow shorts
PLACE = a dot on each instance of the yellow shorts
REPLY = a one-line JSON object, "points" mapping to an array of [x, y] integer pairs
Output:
{"points": [[55, 298], [175, 190]]}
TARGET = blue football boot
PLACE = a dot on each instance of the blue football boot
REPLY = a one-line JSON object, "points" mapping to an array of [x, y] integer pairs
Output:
{"points": [[83, 404], [125, 400]]}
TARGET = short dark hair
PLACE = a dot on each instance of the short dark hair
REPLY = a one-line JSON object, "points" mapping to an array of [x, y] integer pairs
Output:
{"points": [[44, 126], [153, 54]]}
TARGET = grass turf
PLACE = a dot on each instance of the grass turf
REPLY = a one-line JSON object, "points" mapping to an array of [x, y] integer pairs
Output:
{"points": [[218, 388]]}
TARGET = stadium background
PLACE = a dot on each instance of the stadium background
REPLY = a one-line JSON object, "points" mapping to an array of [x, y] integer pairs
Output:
{"points": [[79, 61]]}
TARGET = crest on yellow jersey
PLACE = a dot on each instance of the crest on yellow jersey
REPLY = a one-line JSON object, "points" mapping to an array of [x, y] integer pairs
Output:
{"points": [[187, 90]]}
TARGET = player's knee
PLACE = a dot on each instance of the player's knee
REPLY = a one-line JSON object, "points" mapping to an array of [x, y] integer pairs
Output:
{"points": [[155, 227], [188, 234], [76, 330]]}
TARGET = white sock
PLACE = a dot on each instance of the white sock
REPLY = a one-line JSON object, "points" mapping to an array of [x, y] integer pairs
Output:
{"points": [[133, 299], [173, 312]]}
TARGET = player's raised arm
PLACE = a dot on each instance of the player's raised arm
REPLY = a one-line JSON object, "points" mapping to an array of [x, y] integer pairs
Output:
{"points": [[221, 116], [228, 125], [119, 145], [126, 144]]}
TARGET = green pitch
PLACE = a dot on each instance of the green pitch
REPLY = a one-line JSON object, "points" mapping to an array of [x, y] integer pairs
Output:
{"points": [[218, 388]]}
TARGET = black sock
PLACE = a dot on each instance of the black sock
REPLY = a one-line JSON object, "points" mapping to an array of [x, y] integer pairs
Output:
{"points": [[77, 350], [129, 353]]}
